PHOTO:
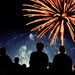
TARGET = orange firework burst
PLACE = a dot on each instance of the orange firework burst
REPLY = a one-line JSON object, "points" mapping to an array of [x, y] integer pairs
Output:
{"points": [[56, 13]]}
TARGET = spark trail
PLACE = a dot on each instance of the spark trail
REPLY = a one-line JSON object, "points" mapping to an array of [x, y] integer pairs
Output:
{"points": [[56, 13]]}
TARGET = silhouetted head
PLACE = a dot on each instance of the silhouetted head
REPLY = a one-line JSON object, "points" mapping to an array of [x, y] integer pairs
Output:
{"points": [[24, 65], [16, 60], [62, 49], [2, 51], [39, 46]]}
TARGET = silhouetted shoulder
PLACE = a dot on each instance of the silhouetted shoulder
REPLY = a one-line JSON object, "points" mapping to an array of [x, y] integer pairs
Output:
{"points": [[39, 54], [38, 59], [33, 53], [62, 63], [62, 58], [6, 59]]}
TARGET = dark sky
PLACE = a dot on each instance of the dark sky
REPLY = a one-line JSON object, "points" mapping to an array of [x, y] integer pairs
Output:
{"points": [[20, 19], [12, 15], [13, 18]]}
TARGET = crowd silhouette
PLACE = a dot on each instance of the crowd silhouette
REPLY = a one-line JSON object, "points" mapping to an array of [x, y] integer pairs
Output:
{"points": [[39, 62]]}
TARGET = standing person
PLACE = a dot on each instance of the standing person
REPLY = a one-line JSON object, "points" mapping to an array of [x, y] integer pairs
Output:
{"points": [[38, 59], [62, 62], [5, 61], [17, 66]]}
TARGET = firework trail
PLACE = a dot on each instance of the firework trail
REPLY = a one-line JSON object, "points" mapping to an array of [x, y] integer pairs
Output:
{"points": [[56, 13]]}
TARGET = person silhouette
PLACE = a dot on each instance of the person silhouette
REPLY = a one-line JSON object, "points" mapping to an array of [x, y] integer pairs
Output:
{"points": [[50, 69], [38, 59], [5, 61], [62, 62], [16, 60], [23, 67], [17, 66], [73, 68]]}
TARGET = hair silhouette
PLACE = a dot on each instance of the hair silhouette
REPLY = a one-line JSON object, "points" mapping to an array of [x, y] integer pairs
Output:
{"points": [[39, 46], [16, 60], [62, 49], [2, 51]]}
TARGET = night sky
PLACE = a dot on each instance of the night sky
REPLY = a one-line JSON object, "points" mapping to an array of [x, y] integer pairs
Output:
{"points": [[19, 41]]}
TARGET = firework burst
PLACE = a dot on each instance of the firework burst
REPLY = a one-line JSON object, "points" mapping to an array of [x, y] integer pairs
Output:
{"points": [[56, 13]]}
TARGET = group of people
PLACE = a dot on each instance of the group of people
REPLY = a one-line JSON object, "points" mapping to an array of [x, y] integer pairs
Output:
{"points": [[39, 61]]}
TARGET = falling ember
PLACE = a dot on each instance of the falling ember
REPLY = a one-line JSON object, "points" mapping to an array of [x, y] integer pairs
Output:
{"points": [[56, 13]]}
